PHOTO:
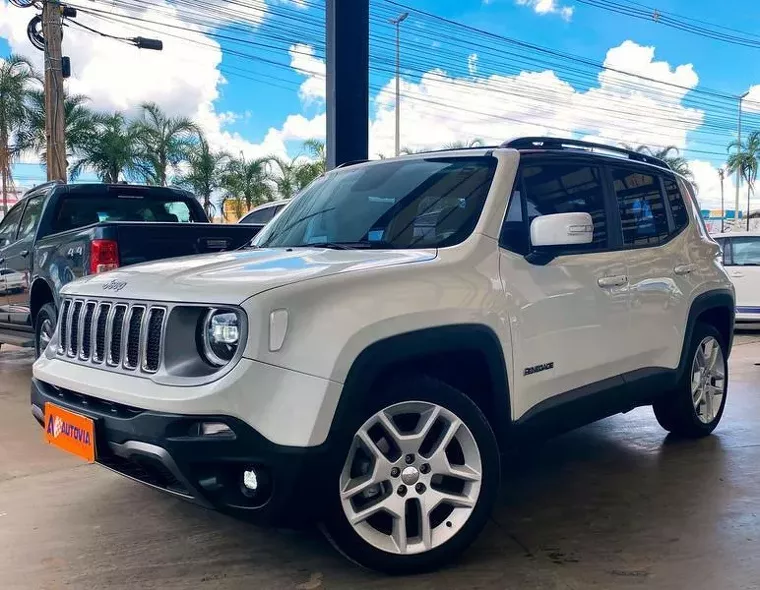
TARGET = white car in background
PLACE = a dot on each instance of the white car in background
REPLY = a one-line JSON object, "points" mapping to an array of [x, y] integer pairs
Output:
{"points": [[741, 257], [265, 213]]}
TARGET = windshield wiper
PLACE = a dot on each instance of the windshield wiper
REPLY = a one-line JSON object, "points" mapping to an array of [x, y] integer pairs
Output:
{"points": [[332, 245]]}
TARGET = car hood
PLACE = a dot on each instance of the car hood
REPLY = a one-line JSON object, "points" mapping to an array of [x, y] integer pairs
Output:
{"points": [[233, 277]]}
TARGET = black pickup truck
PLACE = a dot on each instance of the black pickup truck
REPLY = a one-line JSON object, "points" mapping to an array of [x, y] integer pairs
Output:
{"points": [[59, 232]]}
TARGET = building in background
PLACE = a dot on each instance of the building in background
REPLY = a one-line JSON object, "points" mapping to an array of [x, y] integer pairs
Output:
{"points": [[713, 221]]}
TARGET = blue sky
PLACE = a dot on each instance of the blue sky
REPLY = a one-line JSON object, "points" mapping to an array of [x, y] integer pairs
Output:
{"points": [[263, 107]]}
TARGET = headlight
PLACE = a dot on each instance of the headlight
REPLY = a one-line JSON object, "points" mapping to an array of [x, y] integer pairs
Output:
{"points": [[220, 336]]}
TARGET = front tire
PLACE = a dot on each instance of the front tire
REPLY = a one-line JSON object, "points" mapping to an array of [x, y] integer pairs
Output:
{"points": [[417, 481], [695, 407], [44, 328]]}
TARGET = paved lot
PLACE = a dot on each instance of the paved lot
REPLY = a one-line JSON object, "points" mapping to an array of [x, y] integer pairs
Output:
{"points": [[614, 505]]}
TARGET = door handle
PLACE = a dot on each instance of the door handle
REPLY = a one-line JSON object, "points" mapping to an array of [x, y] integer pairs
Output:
{"points": [[24, 253], [615, 281], [736, 274], [684, 269]]}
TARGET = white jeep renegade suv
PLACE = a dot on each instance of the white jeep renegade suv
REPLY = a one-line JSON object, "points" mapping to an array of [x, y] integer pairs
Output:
{"points": [[397, 326]]}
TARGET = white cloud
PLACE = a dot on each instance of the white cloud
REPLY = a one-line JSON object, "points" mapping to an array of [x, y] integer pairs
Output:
{"points": [[708, 185], [441, 108], [751, 102], [184, 78], [548, 7], [472, 64], [303, 61]]}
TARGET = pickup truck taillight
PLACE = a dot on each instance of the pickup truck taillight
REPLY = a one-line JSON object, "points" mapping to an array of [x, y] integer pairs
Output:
{"points": [[104, 256]]}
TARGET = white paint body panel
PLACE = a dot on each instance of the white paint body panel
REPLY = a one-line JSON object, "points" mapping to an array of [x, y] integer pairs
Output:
{"points": [[339, 302]]}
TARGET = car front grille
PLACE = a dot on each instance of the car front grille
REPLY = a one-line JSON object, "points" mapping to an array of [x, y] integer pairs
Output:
{"points": [[115, 334]]}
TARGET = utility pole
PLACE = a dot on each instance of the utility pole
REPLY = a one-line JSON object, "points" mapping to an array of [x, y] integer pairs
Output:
{"points": [[738, 171], [722, 173], [55, 124], [397, 23]]}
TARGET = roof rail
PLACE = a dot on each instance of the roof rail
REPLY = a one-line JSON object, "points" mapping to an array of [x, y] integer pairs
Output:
{"points": [[559, 143]]}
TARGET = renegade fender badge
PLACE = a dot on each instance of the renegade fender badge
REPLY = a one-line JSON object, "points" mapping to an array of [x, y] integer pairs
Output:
{"points": [[538, 368]]}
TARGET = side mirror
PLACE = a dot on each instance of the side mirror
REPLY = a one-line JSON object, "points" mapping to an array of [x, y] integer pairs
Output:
{"points": [[562, 229]]}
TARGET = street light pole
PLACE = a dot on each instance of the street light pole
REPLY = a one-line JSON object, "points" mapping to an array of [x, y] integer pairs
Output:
{"points": [[722, 173], [397, 23], [738, 172]]}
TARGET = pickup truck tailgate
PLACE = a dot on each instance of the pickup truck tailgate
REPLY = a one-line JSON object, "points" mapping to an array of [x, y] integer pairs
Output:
{"points": [[143, 242]]}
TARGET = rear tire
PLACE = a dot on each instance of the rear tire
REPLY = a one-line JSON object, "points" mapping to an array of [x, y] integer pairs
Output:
{"points": [[44, 328], [695, 407], [424, 462]]}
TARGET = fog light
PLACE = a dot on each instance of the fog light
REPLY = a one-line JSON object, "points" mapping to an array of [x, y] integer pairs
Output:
{"points": [[216, 429], [250, 480]]}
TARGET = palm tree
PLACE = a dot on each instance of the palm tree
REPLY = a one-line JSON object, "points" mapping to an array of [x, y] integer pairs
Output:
{"points": [[287, 179], [670, 154], [81, 124], [112, 151], [205, 171], [745, 160], [459, 144], [246, 183], [165, 141], [315, 167], [16, 76]]}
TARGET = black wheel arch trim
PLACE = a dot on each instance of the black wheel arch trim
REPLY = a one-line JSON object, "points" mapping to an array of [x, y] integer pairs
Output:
{"points": [[403, 348], [715, 299]]}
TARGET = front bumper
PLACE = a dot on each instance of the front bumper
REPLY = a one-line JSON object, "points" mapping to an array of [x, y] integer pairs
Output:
{"points": [[167, 452]]}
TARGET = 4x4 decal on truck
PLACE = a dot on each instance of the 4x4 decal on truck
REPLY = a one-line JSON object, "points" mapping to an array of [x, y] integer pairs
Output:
{"points": [[538, 368]]}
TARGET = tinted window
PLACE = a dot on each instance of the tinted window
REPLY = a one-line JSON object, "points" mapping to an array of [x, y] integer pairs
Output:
{"points": [[417, 203], [9, 226], [260, 216], [31, 218], [745, 251], [677, 205], [565, 188], [78, 211], [642, 209]]}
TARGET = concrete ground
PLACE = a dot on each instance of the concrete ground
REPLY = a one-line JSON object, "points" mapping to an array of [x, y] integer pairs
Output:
{"points": [[613, 505]]}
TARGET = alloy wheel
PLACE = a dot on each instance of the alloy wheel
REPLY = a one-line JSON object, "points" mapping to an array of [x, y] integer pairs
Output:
{"points": [[708, 379], [412, 478]]}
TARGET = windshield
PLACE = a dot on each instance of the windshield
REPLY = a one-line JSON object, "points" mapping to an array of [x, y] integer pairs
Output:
{"points": [[416, 203]]}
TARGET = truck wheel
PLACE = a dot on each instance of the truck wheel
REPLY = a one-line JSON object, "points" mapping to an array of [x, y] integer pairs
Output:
{"points": [[44, 328], [696, 406], [417, 482]]}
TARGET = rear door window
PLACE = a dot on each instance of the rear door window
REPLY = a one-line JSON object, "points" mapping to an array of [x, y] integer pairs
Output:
{"points": [[642, 207], [677, 204]]}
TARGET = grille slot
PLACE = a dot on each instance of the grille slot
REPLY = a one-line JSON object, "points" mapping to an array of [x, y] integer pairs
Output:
{"points": [[86, 330], [117, 331], [124, 336], [74, 331], [63, 333], [101, 324], [133, 337], [153, 340]]}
